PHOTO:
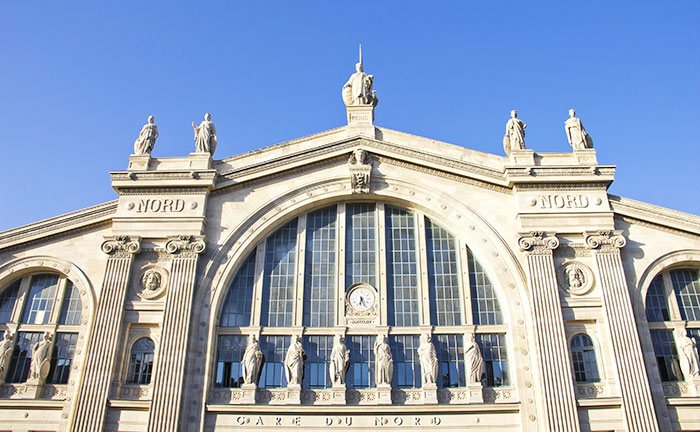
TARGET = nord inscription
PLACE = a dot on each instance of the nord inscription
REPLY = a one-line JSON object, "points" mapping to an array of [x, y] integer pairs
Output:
{"points": [[160, 206], [564, 201]]}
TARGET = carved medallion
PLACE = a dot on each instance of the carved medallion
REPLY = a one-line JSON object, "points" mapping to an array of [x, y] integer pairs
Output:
{"points": [[576, 278], [361, 304], [153, 282]]}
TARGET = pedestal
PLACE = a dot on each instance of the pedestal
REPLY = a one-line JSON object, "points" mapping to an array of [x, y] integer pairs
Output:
{"points": [[384, 394], [32, 390], [139, 162], [248, 394], [694, 387], [586, 157], [522, 157], [293, 394], [200, 160], [361, 120], [338, 395], [476, 393], [429, 394]]}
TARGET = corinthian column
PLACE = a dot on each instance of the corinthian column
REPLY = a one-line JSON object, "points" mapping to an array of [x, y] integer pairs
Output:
{"points": [[100, 360], [169, 373], [555, 370], [637, 402]]}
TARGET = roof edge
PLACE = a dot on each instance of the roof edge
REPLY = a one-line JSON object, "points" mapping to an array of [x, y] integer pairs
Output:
{"points": [[655, 214]]}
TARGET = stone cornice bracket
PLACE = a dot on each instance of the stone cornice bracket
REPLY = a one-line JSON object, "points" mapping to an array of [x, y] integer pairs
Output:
{"points": [[186, 245], [122, 246], [604, 239], [538, 242]]}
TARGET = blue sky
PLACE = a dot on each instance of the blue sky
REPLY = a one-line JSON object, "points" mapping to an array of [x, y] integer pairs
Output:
{"points": [[78, 80]]}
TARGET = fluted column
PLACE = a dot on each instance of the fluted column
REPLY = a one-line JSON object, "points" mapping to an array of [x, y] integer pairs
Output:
{"points": [[556, 378], [100, 359], [169, 373], [637, 402]]}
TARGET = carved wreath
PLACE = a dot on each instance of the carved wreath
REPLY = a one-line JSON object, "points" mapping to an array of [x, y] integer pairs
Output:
{"points": [[576, 278]]}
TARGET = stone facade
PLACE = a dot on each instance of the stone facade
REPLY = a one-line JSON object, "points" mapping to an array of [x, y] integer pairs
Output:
{"points": [[563, 257]]}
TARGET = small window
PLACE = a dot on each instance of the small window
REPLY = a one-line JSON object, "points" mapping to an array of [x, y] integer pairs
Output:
{"points": [[404, 352], [656, 304], [485, 307], [493, 350], [583, 356], [22, 356], [361, 367], [8, 298], [450, 353], [316, 366], [141, 362], [72, 306], [42, 293], [686, 284], [228, 362], [62, 357], [239, 300], [274, 349], [666, 355]]}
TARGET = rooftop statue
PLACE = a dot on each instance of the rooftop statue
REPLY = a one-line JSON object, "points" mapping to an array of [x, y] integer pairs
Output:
{"points": [[515, 133], [147, 138], [358, 89], [576, 134], [205, 136]]}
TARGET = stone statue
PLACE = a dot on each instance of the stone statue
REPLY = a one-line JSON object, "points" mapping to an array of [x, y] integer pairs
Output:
{"points": [[473, 360], [41, 360], [340, 358], [358, 89], [687, 347], [576, 134], [515, 133], [360, 169], [205, 136], [147, 138], [252, 358], [384, 365], [6, 347], [575, 277], [428, 360], [294, 361], [152, 280]]}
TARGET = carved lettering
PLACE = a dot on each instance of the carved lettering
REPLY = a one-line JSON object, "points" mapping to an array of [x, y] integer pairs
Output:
{"points": [[296, 421], [569, 201], [417, 420], [398, 421], [240, 420], [329, 421], [259, 422], [160, 206], [278, 421]]}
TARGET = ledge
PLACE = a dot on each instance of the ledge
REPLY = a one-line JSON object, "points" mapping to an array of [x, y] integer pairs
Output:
{"points": [[599, 402], [684, 401], [364, 409], [130, 404], [32, 403]]}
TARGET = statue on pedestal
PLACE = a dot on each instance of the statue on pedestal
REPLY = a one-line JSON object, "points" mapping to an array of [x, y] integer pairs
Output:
{"points": [[205, 136], [474, 361], [6, 347], [294, 361], [576, 134], [514, 139], [41, 360], [252, 359], [688, 355], [340, 358], [358, 89], [384, 364], [428, 360], [147, 138]]}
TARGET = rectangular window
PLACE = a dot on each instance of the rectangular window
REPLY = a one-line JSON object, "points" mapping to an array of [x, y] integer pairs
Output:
{"points": [[239, 300], [485, 307], [319, 278], [22, 356], [62, 358], [450, 353], [318, 356], [274, 349], [443, 276], [229, 354], [687, 288], [360, 244], [42, 293], [361, 367], [72, 305], [657, 306], [666, 355], [495, 355], [7, 301], [402, 268], [278, 283], [404, 352]]}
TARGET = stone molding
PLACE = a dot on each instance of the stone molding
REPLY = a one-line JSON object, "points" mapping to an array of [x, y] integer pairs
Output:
{"points": [[604, 240], [122, 246], [186, 246], [538, 242]]}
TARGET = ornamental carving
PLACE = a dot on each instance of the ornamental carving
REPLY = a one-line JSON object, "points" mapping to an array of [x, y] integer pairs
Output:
{"points": [[576, 278], [360, 171], [122, 246], [604, 239], [154, 282], [186, 245], [538, 242]]}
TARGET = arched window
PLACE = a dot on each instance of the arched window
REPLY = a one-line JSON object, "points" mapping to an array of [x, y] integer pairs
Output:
{"points": [[141, 362], [36, 304], [413, 273], [673, 307], [584, 359]]}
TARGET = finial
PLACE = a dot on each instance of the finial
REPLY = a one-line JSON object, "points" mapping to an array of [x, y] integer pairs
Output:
{"points": [[360, 55]]}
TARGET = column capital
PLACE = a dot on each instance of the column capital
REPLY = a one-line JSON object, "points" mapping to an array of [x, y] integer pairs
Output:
{"points": [[186, 245], [604, 239], [538, 242], [121, 246]]}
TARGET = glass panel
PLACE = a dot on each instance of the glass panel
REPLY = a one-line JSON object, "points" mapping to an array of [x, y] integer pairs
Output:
{"points": [[229, 355], [687, 288], [666, 355], [485, 307], [493, 350], [583, 356], [443, 276], [319, 277], [239, 299], [278, 283], [360, 244], [694, 333], [141, 362], [274, 348], [318, 356], [361, 367], [42, 293], [22, 356], [402, 269], [62, 358], [450, 352], [657, 304], [72, 306], [8, 298], [404, 352]]}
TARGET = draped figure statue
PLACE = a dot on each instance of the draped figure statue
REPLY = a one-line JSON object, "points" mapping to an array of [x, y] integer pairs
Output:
{"points": [[294, 361], [514, 139], [147, 138], [252, 359], [384, 364], [340, 358], [474, 361], [205, 135], [576, 134], [6, 347], [41, 360], [428, 360], [687, 348]]}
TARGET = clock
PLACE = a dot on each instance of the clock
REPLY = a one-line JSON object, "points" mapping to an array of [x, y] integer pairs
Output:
{"points": [[361, 298]]}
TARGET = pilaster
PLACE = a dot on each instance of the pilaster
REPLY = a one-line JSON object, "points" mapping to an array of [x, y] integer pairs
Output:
{"points": [[100, 359], [637, 401], [556, 378]]}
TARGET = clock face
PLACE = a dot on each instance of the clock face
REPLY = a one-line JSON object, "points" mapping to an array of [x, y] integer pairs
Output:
{"points": [[362, 298]]}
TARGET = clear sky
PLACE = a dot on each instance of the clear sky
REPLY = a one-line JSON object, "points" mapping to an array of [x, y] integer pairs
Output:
{"points": [[78, 80]]}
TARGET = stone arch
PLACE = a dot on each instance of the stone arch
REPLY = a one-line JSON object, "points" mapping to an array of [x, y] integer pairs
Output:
{"points": [[665, 262]]}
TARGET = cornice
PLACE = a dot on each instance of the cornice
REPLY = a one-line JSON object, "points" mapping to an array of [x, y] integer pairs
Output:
{"points": [[654, 216]]}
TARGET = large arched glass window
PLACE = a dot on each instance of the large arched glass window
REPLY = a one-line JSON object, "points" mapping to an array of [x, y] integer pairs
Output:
{"points": [[584, 359], [36, 304], [141, 362], [418, 274]]}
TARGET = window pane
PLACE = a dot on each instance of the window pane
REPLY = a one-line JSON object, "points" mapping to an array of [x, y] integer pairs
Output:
{"points": [[72, 306], [485, 307], [583, 356], [62, 358], [687, 288], [402, 268], [404, 352], [7, 301], [278, 283], [666, 355], [229, 355], [493, 350], [360, 244], [450, 353], [141, 362], [657, 304], [361, 367], [319, 277], [239, 299], [22, 356], [274, 348], [695, 334], [42, 293], [316, 366], [443, 276]]}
